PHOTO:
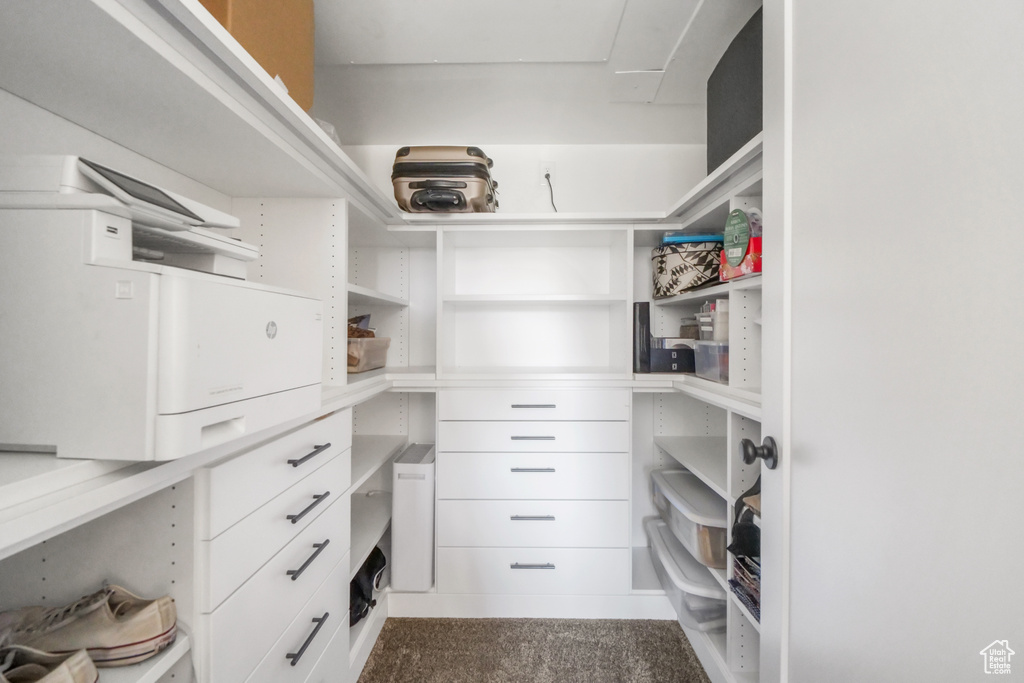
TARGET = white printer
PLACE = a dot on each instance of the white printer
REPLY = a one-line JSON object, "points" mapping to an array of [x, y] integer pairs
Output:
{"points": [[129, 330]]}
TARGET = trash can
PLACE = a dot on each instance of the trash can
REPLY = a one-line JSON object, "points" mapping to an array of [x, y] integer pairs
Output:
{"points": [[412, 519]]}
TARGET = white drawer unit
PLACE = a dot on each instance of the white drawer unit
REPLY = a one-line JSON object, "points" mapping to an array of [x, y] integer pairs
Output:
{"points": [[534, 404], [242, 630], [540, 476], [533, 523], [535, 437], [238, 486], [237, 553], [295, 655], [533, 488], [534, 571]]}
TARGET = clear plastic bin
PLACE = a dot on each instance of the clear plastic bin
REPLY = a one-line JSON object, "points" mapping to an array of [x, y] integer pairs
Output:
{"points": [[694, 513], [711, 359], [368, 353], [698, 598]]}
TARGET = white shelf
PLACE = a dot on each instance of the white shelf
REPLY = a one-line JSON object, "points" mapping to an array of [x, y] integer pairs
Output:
{"points": [[590, 299], [743, 610], [739, 174], [371, 517], [705, 456], [739, 401], [369, 453], [562, 220], [151, 670], [371, 297], [186, 95], [533, 373], [363, 635], [714, 292]]}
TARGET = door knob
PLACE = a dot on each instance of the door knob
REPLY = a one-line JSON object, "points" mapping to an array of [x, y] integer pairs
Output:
{"points": [[767, 450]]}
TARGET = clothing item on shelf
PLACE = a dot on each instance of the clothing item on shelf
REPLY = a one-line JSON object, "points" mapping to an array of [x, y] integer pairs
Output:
{"points": [[361, 588], [748, 601], [26, 665], [115, 627]]}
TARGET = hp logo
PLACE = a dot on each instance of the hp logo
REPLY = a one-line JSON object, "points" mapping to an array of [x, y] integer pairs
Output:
{"points": [[271, 329]]}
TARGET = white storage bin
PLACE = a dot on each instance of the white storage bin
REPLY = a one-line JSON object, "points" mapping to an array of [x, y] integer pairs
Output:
{"points": [[412, 519], [697, 597], [694, 513]]}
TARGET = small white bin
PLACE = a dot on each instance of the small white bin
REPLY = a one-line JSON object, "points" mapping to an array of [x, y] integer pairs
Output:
{"points": [[698, 598], [412, 519], [695, 513]]}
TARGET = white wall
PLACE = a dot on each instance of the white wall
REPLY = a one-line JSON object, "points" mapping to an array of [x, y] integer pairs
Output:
{"points": [[610, 178]]}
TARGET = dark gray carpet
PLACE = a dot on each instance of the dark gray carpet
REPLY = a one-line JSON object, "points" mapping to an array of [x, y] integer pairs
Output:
{"points": [[531, 651]]}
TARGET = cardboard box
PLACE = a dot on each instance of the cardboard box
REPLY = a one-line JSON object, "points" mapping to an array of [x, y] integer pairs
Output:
{"points": [[278, 34]]}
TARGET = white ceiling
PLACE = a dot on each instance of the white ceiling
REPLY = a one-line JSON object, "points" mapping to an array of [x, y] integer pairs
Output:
{"points": [[520, 71]]}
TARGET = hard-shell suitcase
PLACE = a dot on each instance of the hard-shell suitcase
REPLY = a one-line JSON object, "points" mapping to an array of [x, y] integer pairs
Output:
{"points": [[444, 179]]}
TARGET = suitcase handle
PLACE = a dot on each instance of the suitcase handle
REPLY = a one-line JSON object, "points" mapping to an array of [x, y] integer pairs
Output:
{"points": [[436, 199]]}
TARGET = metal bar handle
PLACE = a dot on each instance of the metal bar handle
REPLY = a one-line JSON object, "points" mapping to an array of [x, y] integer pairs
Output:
{"points": [[316, 501], [533, 438], [534, 405], [532, 469], [296, 656], [546, 565], [317, 450], [296, 573], [532, 518]]}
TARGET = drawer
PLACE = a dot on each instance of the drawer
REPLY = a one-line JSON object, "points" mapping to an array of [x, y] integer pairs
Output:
{"points": [[533, 404], [333, 665], [533, 571], [236, 554], [238, 486], [242, 630], [534, 437], [534, 523], [310, 635], [539, 476]]}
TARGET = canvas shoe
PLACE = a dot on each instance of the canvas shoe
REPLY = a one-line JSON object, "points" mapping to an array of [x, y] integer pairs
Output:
{"points": [[26, 665], [113, 625]]}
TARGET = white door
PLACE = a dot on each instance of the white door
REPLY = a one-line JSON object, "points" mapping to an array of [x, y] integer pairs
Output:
{"points": [[894, 379]]}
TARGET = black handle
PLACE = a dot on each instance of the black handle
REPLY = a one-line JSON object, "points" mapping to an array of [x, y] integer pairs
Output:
{"points": [[437, 199], [768, 450], [316, 501], [534, 405], [296, 573], [317, 450], [296, 656]]}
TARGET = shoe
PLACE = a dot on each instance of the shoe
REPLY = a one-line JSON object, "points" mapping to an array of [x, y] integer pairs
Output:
{"points": [[113, 625], [26, 665]]}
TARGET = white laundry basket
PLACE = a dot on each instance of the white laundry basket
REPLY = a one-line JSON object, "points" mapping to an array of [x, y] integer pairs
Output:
{"points": [[412, 519]]}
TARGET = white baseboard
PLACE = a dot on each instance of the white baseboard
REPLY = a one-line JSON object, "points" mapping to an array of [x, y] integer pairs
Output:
{"points": [[530, 606]]}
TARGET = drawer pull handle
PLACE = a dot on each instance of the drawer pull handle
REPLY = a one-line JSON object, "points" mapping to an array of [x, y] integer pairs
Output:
{"points": [[296, 573], [533, 438], [532, 518], [532, 469], [296, 656], [534, 405], [516, 565], [317, 450], [316, 501]]}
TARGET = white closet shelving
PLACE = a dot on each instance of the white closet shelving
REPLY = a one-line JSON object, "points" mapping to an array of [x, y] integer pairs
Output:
{"points": [[700, 424], [534, 302]]}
